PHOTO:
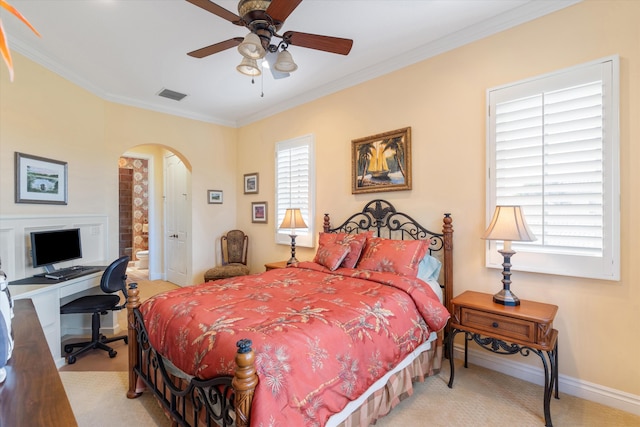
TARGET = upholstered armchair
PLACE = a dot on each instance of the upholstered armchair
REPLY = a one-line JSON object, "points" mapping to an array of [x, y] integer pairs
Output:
{"points": [[234, 246]]}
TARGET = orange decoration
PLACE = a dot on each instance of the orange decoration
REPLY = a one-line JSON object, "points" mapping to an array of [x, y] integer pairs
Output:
{"points": [[4, 45]]}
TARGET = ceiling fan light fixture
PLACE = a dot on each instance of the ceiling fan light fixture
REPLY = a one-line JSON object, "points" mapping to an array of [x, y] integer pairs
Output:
{"points": [[285, 63], [249, 67], [251, 47]]}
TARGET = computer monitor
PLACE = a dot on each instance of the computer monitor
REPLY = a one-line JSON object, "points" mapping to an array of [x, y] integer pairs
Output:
{"points": [[55, 246]]}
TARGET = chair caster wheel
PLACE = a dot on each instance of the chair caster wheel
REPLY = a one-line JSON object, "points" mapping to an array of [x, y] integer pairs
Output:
{"points": [[112, 354], [71, 360], [68, 349]]}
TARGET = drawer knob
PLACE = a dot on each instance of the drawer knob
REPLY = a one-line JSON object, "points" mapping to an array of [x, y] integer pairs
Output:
{"points": [[494, 324]]}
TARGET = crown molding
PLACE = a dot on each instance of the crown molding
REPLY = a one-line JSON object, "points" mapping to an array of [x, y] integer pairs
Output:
{"points": [[510, 19]]}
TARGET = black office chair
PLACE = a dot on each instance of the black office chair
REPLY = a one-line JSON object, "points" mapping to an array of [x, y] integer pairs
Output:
{"points": [[113, 279]]}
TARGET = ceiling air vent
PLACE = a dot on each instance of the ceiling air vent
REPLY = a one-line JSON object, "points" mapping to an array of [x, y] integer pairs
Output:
{"points": [[176, 96]]}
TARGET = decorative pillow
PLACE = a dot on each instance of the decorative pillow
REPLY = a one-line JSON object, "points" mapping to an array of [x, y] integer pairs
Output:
{"points": [[396, 256], [354, 241], [331, 254]]}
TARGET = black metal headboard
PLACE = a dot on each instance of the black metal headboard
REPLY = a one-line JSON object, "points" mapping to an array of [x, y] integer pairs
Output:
{"points": [[383, 218]]}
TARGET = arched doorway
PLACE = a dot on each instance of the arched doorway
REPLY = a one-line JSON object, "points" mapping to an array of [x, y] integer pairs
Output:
{"points": [[156, 212]]}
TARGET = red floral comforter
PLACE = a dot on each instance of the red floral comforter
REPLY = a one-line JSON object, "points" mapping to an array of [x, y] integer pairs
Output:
{"points": [[321, 338]]}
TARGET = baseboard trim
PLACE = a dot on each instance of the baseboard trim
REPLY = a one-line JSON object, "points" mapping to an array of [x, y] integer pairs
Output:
{"points": [[575, 387]]}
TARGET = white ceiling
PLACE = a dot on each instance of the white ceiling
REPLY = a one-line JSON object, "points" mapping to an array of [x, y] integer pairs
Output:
{"points": [[126, 51]]}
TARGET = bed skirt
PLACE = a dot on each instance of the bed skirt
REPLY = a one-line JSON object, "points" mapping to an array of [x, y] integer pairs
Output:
{"points": [[374, 404], [391, 389]]}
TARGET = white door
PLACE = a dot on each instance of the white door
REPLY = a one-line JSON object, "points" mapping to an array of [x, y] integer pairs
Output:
{"points": [[177, 220]]}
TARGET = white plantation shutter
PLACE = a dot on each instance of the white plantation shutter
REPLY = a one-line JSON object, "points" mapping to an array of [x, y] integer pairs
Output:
{"points": [[295, 187], [553, 149]]}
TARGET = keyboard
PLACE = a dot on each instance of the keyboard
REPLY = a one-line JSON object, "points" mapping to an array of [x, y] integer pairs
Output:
{"points": [[71, 273]]}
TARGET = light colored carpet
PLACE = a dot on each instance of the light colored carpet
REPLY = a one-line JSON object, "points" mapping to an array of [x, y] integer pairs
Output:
{"points": [[96, 386], [99, 399], [480, 397]]}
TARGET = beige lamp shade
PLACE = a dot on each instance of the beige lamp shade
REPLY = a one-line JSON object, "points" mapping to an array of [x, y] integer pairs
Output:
{"points": [[249, 67], [251, 47], [508, 224], [293, 219], [284, 62]]}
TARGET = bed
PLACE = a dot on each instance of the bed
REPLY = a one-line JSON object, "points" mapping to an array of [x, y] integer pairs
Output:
{"points": [[336, 341]]}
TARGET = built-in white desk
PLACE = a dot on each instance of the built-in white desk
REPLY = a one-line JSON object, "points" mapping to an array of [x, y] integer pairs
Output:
{"points": [[47, 298]]}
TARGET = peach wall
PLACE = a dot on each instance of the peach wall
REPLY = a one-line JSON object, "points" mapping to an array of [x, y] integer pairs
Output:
{"points": [[443, 100], [45, 115], [208, 150], [42, 114]]}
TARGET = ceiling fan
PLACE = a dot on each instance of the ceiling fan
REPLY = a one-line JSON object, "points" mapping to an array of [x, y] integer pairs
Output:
{"points": [[263, 19]]}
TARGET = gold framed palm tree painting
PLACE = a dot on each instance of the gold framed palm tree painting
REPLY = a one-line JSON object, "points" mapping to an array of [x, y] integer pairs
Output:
{"points": [[381, 162]]}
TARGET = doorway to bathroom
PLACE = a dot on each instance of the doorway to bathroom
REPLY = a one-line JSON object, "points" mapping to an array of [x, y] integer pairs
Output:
{"points": [[155, 213], [134, 213]]}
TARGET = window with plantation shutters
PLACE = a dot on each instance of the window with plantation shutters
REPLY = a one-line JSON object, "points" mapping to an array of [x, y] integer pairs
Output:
{"points": [[295, 187], [553, 150]]}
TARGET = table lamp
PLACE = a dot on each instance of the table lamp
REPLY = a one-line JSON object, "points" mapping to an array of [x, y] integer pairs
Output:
{"points": [[508, 224], [292, 220]]}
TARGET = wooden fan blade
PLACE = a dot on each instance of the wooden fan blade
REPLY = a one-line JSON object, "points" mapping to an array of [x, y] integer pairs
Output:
{"points": [[215, 48], [217, 10], [279, 10], [314, 41]]}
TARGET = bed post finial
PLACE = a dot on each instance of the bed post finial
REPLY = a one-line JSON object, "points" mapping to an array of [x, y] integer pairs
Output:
{"points": [[447, 231], [327, 223], [133, 302], [244, 382]]}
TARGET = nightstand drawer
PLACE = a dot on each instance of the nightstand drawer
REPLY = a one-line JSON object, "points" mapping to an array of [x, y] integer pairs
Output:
{"points": [[496, 324], [505, 329]]}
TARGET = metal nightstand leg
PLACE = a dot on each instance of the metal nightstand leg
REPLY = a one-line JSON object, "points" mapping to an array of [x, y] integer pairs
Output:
{"points": [[551, 380], [452, 335], [549, 363]]}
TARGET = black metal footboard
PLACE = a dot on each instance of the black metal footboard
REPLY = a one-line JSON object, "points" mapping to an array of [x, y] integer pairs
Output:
{"points": [[188, 400]]}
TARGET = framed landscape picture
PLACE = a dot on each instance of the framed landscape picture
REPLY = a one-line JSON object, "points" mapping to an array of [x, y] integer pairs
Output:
{"points": [[251, 183], [259, 212], [381, 162], [40, 180], [214, 196]]}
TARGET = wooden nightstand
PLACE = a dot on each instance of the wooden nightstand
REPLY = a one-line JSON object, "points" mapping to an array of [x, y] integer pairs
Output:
{"points": [[274, 265], [528, 328]]}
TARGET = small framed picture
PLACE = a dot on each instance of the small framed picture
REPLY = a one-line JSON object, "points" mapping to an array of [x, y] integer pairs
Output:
{"points": [[251, 183], [40, 180], [214, 196], [259, 212]]}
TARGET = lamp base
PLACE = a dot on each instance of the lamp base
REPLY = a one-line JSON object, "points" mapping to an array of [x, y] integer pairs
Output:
{"points": [[506, 297], [293, 250]]}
